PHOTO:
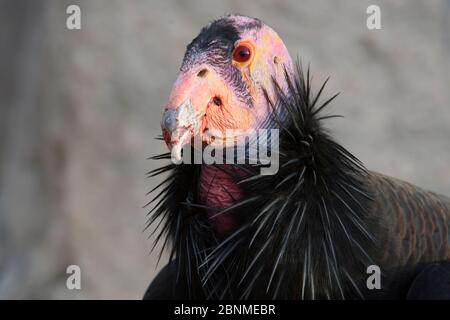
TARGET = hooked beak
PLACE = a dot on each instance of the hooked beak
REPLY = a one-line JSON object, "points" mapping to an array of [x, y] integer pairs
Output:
{"points": [[179, 126], [200, 101]]}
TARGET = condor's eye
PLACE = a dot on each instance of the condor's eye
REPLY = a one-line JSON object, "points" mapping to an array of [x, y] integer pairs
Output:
{"points": [[242, 53]]}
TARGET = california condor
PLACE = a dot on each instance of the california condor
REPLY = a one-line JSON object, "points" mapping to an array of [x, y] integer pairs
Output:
{"points": [[309, 231]]}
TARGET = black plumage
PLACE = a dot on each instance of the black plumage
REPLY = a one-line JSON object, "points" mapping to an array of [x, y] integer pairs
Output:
{"points": [[308, 232]]}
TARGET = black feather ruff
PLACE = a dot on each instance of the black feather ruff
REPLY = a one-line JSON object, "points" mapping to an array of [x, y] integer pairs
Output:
{"points": [[307, 232]]}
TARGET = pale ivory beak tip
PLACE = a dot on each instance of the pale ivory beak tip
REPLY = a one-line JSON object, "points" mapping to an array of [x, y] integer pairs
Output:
{"points": [[176, 152]]}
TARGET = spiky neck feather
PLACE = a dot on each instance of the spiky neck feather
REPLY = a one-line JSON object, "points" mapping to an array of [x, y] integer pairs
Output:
{"points": [[304, 232]]}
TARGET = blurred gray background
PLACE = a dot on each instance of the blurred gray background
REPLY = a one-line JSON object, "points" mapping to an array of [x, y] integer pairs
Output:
{"points": [[79, 110]]}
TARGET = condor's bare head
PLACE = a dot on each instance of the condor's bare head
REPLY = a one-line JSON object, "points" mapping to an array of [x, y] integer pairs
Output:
{"points": [[224, 82]]}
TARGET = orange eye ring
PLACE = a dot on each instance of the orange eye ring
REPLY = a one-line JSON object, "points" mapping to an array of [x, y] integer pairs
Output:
{"points": [[243, 53]]}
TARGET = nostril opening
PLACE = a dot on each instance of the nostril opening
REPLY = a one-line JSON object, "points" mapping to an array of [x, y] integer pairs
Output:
{"points": [[217, 101], [202, 73]]}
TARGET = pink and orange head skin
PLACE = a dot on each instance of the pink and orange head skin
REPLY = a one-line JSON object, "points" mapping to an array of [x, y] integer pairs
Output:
{"points": [[219, 88]]}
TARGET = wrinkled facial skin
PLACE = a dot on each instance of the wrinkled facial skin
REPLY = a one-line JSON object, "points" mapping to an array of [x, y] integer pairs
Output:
{"points": [[214, 92]]}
